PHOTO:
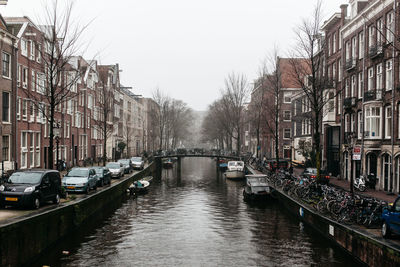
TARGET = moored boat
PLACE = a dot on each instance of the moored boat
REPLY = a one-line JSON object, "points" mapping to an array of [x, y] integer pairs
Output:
{"points": [[222, 165], [168, 164], [235, 170], [139, 187], [257, 187]]}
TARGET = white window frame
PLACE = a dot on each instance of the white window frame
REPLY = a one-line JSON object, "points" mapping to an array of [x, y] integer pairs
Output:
{"points": [[361, 46], [371, 79], [24, 47], [359, 125], [8, 67], [389, 75], [388, 122], [285, 130], [379, 77], [371, 118], [284, 115], [360, 84], [287, 95]]}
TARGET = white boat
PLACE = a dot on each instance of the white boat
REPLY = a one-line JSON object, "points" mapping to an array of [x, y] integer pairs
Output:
{"points": [[235, 170], [257, 187]]}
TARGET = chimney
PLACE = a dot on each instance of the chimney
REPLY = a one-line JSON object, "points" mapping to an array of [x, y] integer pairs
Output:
{"points": [[344, 10]]}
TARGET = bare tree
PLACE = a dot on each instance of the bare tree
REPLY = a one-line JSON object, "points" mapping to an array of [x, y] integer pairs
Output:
{"points": [[128, 133], [234, 97], [105, 98], [60, 66], [160, 116], [310, 74]]}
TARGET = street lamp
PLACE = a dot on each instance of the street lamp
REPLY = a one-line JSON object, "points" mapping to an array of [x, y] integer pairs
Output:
{"points": [[57, 137]]}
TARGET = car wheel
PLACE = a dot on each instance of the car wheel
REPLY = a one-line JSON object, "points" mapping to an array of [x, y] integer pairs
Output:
{"points": [[385, 230], [36, 203], [95, 187], [102, 183], [87, 189], [56, 199]]}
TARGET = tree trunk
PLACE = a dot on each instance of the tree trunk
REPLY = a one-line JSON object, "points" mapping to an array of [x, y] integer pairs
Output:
{"points": [[258, 140], [317, 145], [51, 138]]}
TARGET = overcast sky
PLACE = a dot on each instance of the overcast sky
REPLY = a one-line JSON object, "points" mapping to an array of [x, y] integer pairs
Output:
{"points": [[184, 47]]}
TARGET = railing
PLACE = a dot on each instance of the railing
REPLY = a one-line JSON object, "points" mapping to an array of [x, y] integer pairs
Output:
{"points": [[349, 102], [351, 63], [372, 95], [375, 51]]}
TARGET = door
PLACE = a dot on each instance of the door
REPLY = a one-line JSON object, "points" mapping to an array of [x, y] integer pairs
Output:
{"points": [[45, 187], [394, 218], [386, 162]]}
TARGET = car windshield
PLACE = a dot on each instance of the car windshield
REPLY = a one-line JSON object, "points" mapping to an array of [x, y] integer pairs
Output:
{"points": [[312, 171], [137, 159], [124, 161], [113, 165], [25, 178], [99, 170], [78, 172]]}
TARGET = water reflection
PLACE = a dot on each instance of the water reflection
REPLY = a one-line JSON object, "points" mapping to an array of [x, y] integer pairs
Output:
{"points": [[199, 219]]}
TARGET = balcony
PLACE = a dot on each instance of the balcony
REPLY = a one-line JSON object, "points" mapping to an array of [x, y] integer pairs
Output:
{"points": [[350, 64], [375, 51], [372, 95], [348, 136], [349, 102]]}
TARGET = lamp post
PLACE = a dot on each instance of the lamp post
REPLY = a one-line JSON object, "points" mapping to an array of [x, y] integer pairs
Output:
{"points": [[57, 136]]}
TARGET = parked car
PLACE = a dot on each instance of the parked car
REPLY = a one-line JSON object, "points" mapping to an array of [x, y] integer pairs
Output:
{"points": [[127, 165], [31, 188], [104, 175], [391, 219], [80, 180], [137, 163], [116, 169], [311, 173], [271, 165]]}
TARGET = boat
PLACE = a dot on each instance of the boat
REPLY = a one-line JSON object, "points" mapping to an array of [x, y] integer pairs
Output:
{"points": [[139, 187], [168, 163], [147, 178], [257, 187], [235, 170], [222, 165]]}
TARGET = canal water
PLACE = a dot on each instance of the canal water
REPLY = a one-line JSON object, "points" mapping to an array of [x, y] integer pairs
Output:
{"points": [[199, 219]]}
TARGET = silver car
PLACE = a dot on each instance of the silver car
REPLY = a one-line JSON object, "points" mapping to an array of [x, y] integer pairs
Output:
{"points": [[137, 163], [116, 169]]}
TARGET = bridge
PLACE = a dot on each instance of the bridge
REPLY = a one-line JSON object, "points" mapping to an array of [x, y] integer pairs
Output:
{"points": [[158, 159]]}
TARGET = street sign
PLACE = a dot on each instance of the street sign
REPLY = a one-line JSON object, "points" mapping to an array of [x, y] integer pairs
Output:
{"points": [[356, 153]]}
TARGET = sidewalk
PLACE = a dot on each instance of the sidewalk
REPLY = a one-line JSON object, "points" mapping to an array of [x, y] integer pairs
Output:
{"points": [[346, 186]]}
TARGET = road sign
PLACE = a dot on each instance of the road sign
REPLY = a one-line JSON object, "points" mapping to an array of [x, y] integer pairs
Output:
{"points": [[357, 153]]}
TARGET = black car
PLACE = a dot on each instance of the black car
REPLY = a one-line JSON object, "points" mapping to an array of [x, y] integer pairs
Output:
{"points": [[31, 188], [311, 173], [104, 175]]}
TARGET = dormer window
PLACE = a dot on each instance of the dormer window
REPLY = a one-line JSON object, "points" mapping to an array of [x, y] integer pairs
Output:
{"points": [[24, 47]]}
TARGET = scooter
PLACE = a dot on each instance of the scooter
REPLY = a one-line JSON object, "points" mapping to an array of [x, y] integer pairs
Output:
{"points": [[359, 183]]}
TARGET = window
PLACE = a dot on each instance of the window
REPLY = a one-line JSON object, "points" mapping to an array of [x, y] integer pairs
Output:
{"points": [[40, 83], [24, 47], [346, 89], [346, 123], [39, 53], [6, 64], [354, 47], [31, 111], [19, 75], [372, 122], [287, 97], [339, 103], [37, 153], [379, 32], [388, 122], [329, 46], [361, 45], [334, 43], [286, 133], [32, 48], [18, 108], [340, 40], [24, 109], [331, 102], [286, 115], [360, 84], [24, 149], [370, 79], [334, 71], [359, 127], [390, 27], [340, 69], [379, 79], [6, 107], [5, 148], [389, 75], [371, 32], [24, 77], [31, 149], [33, 85], [353, 86], [348, 51]]}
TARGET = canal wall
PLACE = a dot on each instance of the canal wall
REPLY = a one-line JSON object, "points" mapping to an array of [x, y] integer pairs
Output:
{"points": [[362, 245], [24, 239]]}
